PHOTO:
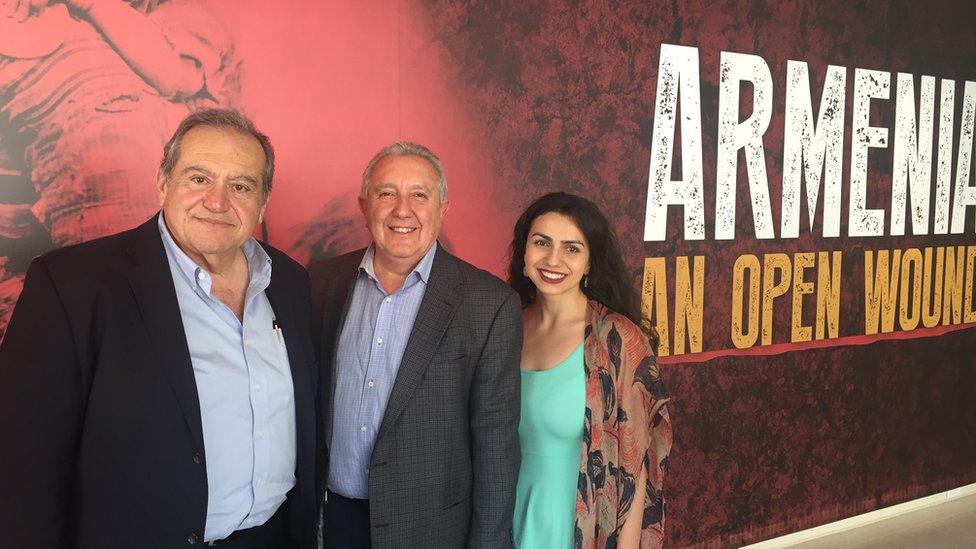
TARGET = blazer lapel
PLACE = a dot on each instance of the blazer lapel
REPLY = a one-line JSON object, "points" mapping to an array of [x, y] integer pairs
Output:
{"points": [[440, 302], [286, 313], [345, 283], [155, 294]]}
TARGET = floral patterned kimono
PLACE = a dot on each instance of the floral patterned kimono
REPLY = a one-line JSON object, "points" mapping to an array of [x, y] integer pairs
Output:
{"points": [[626, 430]]}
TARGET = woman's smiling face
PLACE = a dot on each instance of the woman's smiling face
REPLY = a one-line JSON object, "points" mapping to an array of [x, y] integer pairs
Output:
{"points": [[557, 255]]}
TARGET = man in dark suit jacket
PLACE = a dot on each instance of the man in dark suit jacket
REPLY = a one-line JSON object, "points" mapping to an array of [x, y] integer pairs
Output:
{"points": [[419, 353], [140, 405]]}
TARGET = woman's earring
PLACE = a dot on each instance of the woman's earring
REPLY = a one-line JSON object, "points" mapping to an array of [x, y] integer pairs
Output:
{"points": [[525, 270], [586, 280]]}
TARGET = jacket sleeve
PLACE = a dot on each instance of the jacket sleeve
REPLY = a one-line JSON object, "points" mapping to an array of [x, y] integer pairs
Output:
{"points": [[40, 417], [494, 430], [645, 435]]}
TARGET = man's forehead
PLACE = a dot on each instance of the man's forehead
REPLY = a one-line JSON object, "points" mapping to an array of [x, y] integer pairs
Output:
{"points": [[409, 183], [206, 140], [410, 163], [203, 168]]}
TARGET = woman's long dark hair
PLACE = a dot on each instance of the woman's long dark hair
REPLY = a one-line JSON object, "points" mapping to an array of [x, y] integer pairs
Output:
{"points": [[607, 282]]}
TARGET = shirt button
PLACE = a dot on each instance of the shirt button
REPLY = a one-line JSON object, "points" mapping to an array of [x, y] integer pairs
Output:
{"points": [[371, 383], [389, 299], [379, 341], [257, 387], [192, 539], [260, 434], [197, 458], [201, 276], [362, 427]]}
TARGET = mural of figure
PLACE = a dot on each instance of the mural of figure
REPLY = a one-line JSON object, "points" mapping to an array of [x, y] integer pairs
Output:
{"points": [[87, 91]]}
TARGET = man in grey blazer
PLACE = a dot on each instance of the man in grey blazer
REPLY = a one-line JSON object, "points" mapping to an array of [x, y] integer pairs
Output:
{"points": [[419, 356]]}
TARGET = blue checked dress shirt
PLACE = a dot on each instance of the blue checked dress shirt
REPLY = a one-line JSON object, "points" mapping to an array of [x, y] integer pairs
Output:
{"points": [[371, 345], [247, 402]]}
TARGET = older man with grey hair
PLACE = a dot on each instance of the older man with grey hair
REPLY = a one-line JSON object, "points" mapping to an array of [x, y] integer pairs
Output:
{"points": [[419, 355], [157, 386]]}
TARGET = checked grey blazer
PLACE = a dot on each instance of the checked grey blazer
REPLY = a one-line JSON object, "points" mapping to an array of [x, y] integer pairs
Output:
{"points": [[444, 467]]}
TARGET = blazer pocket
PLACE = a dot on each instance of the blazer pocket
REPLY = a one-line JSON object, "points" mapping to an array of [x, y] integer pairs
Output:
{"points": [[447, 367], [461, 501], [450, 357]]}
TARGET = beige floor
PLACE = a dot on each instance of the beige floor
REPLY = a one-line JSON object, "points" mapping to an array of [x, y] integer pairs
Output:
{"points": [[948, 525]]}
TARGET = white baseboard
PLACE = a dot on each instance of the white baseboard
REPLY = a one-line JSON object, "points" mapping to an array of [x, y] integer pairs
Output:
{"points": [[863, 520], [962, 491]]}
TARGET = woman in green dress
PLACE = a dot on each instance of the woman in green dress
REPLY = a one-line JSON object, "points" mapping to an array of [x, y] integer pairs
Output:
{"points": [[594, 432]]}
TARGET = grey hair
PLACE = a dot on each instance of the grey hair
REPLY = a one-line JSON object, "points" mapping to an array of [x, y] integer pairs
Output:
{"points": [[223, 119], [406, 148]]}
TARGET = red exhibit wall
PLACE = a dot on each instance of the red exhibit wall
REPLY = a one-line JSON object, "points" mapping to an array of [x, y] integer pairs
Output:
{"points": [[778, 437], [334, 82], [523, 98]]}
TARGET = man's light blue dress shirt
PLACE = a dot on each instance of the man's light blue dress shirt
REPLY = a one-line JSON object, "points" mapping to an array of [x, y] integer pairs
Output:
{"points": [[244, 384], [374, 336]]}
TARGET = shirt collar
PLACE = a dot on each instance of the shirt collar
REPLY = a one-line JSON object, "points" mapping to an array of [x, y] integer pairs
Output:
{"points": [[258, 260], [422, 270]]}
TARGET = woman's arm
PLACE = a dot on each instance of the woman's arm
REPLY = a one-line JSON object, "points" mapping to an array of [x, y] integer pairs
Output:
{"points": [[630, 533], [645, 440]]}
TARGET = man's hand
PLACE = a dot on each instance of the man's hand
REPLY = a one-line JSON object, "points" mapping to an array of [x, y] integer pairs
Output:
{"points": [[17, 221], [79, 7], [20, 10]]}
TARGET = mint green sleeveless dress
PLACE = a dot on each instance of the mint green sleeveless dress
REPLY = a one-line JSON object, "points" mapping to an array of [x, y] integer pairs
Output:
{"points": [[550, 433]]}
